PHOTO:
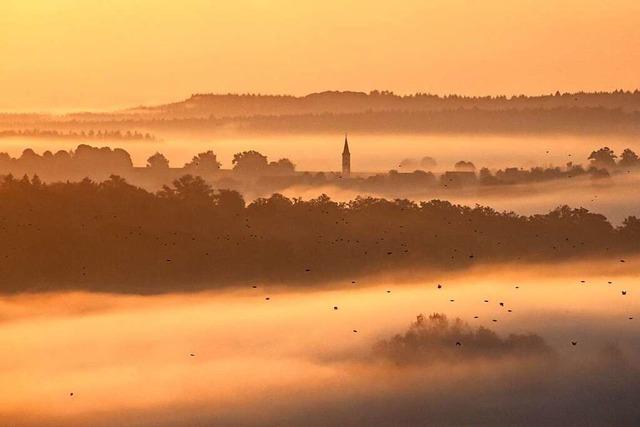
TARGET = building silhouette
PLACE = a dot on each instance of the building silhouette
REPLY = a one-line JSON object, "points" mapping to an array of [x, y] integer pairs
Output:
{"points": [[346, 159]]}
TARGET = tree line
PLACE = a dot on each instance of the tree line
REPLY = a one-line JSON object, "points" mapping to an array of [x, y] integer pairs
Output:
{"points": [[337, 102], [254, 172], [81, 134], [115, 237]]}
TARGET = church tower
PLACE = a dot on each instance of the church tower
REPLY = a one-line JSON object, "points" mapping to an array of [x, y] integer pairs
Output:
{"points": [[346, 159]]}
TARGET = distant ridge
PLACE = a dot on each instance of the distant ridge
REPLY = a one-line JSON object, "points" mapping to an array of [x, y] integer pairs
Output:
{"points": [[203, 105], [208, 105], [579, 113]]}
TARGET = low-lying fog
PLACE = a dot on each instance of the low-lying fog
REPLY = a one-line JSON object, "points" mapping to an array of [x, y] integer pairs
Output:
{"points": [[616, 198], [238, 359], [369, 153]]}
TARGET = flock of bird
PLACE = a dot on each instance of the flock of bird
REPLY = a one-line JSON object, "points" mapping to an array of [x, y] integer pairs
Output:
{"points": [[439, 286], [404, 249]]}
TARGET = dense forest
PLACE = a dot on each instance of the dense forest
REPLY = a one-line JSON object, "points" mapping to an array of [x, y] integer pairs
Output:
{"points": [[112, 236], [377, 111], [234, 105]]}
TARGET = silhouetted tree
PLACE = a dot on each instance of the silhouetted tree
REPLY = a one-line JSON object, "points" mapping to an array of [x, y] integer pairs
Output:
{"points": [[603, 158], [158, 162], [250, 162], [229, 201], [629, 159], [465, 166], [204, 162], [282, 167], [188, 189]]}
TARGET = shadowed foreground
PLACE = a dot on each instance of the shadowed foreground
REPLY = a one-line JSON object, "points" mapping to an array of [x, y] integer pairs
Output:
{"points": [[115, 237]]}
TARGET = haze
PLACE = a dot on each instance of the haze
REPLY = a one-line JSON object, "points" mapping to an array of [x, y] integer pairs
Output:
{"points": [[267, 213], [72, 54], [235, 359]]}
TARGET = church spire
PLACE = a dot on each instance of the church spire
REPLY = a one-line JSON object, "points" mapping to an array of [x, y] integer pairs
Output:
{"points": [[346, 159]]}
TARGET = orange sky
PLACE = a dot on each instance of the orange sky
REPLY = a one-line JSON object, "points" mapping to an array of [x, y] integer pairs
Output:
{"points": [[97, 54]]}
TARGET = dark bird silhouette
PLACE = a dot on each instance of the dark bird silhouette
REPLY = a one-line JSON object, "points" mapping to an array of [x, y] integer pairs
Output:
{"points": [[624, 292], [267, 298], [501, 304], [439, 286], [335, 307], [458, 343], [71, 394], [574, 342], [192, 355]]}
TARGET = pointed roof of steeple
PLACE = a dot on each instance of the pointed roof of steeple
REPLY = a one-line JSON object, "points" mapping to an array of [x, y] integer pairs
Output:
{"points": [[346, 145]]}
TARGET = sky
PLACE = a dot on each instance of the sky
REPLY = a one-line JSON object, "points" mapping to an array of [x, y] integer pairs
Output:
{"points": [[58, 55]]}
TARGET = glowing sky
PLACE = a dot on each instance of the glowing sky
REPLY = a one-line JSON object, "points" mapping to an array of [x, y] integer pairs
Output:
{"points": [[61, 54]]}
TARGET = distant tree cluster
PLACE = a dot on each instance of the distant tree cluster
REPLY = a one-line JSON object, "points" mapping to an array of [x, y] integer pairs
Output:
{"points": [[426, 164], [88, 161], [463, 175], [246, 163], [252, 171], [83, 161], [606, 158], [435, 339], [254, 163], [112, 236]]}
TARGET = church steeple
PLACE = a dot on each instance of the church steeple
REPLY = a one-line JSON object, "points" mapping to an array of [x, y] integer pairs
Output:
{"points": [[346, 159]]}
